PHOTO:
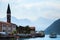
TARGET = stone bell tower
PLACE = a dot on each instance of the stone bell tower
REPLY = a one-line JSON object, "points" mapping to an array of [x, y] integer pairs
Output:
{"points": [[8, 14]]}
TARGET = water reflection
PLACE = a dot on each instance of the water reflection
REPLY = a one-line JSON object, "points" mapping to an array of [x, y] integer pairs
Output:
{"points": [[45, 38], [23, 38], [7, 38]]}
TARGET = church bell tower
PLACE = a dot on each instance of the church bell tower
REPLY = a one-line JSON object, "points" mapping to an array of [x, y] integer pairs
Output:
{"points": [[8, 14]]}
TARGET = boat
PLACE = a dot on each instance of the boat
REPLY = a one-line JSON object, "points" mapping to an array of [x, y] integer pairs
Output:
{"points": [[40, 34], [53, 35]]}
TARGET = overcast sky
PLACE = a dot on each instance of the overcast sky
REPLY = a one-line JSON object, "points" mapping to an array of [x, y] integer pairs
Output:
{"points": [[31, 9]]}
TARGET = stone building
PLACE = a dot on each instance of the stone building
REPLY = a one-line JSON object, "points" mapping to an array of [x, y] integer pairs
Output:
{"points": [[25, 30], [7, 26]]}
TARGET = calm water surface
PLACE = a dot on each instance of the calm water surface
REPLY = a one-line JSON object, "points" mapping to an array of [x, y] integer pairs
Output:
{"points": [[45, 38]]}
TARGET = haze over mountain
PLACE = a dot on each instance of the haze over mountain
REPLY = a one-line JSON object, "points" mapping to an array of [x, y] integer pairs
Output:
{"points": [[40, 23], [54, 27]]}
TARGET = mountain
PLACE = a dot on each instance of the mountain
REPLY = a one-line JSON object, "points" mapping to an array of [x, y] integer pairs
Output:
{"points": [[23, 22], [40, 23], [43, 23], [54, 27], [3, 19]]}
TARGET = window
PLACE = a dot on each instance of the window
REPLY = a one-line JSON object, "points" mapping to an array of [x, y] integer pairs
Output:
{"points": [[9, 29], [4, 27]]}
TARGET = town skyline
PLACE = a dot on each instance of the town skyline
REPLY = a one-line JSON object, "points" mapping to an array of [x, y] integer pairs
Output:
{"points": [[33, 10]]}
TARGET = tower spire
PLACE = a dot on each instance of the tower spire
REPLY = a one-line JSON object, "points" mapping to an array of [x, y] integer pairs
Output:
{"points": [[8, 14], [8, 9]]}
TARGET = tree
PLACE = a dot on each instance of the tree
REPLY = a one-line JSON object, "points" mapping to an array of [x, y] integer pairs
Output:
{"points": [[14, 32], [27, 29]]}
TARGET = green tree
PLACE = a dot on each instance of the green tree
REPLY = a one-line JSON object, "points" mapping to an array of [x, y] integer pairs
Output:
{"points": [[14, 32], [27, 29]]}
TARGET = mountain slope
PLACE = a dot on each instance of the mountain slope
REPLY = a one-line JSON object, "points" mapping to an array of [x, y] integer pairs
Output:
{"points": [[55, 27], [40, 23]]}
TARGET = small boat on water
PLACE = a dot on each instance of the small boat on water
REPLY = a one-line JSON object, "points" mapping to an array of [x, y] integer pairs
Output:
{"points": [[53, 35], [40, 34]]}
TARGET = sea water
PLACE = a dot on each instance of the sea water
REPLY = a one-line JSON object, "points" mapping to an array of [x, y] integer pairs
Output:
{"points": [[39, 38]]}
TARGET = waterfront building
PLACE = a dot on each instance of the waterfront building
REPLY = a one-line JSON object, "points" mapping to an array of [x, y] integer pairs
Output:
{"points": [[25, 30], [7, 26]]}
